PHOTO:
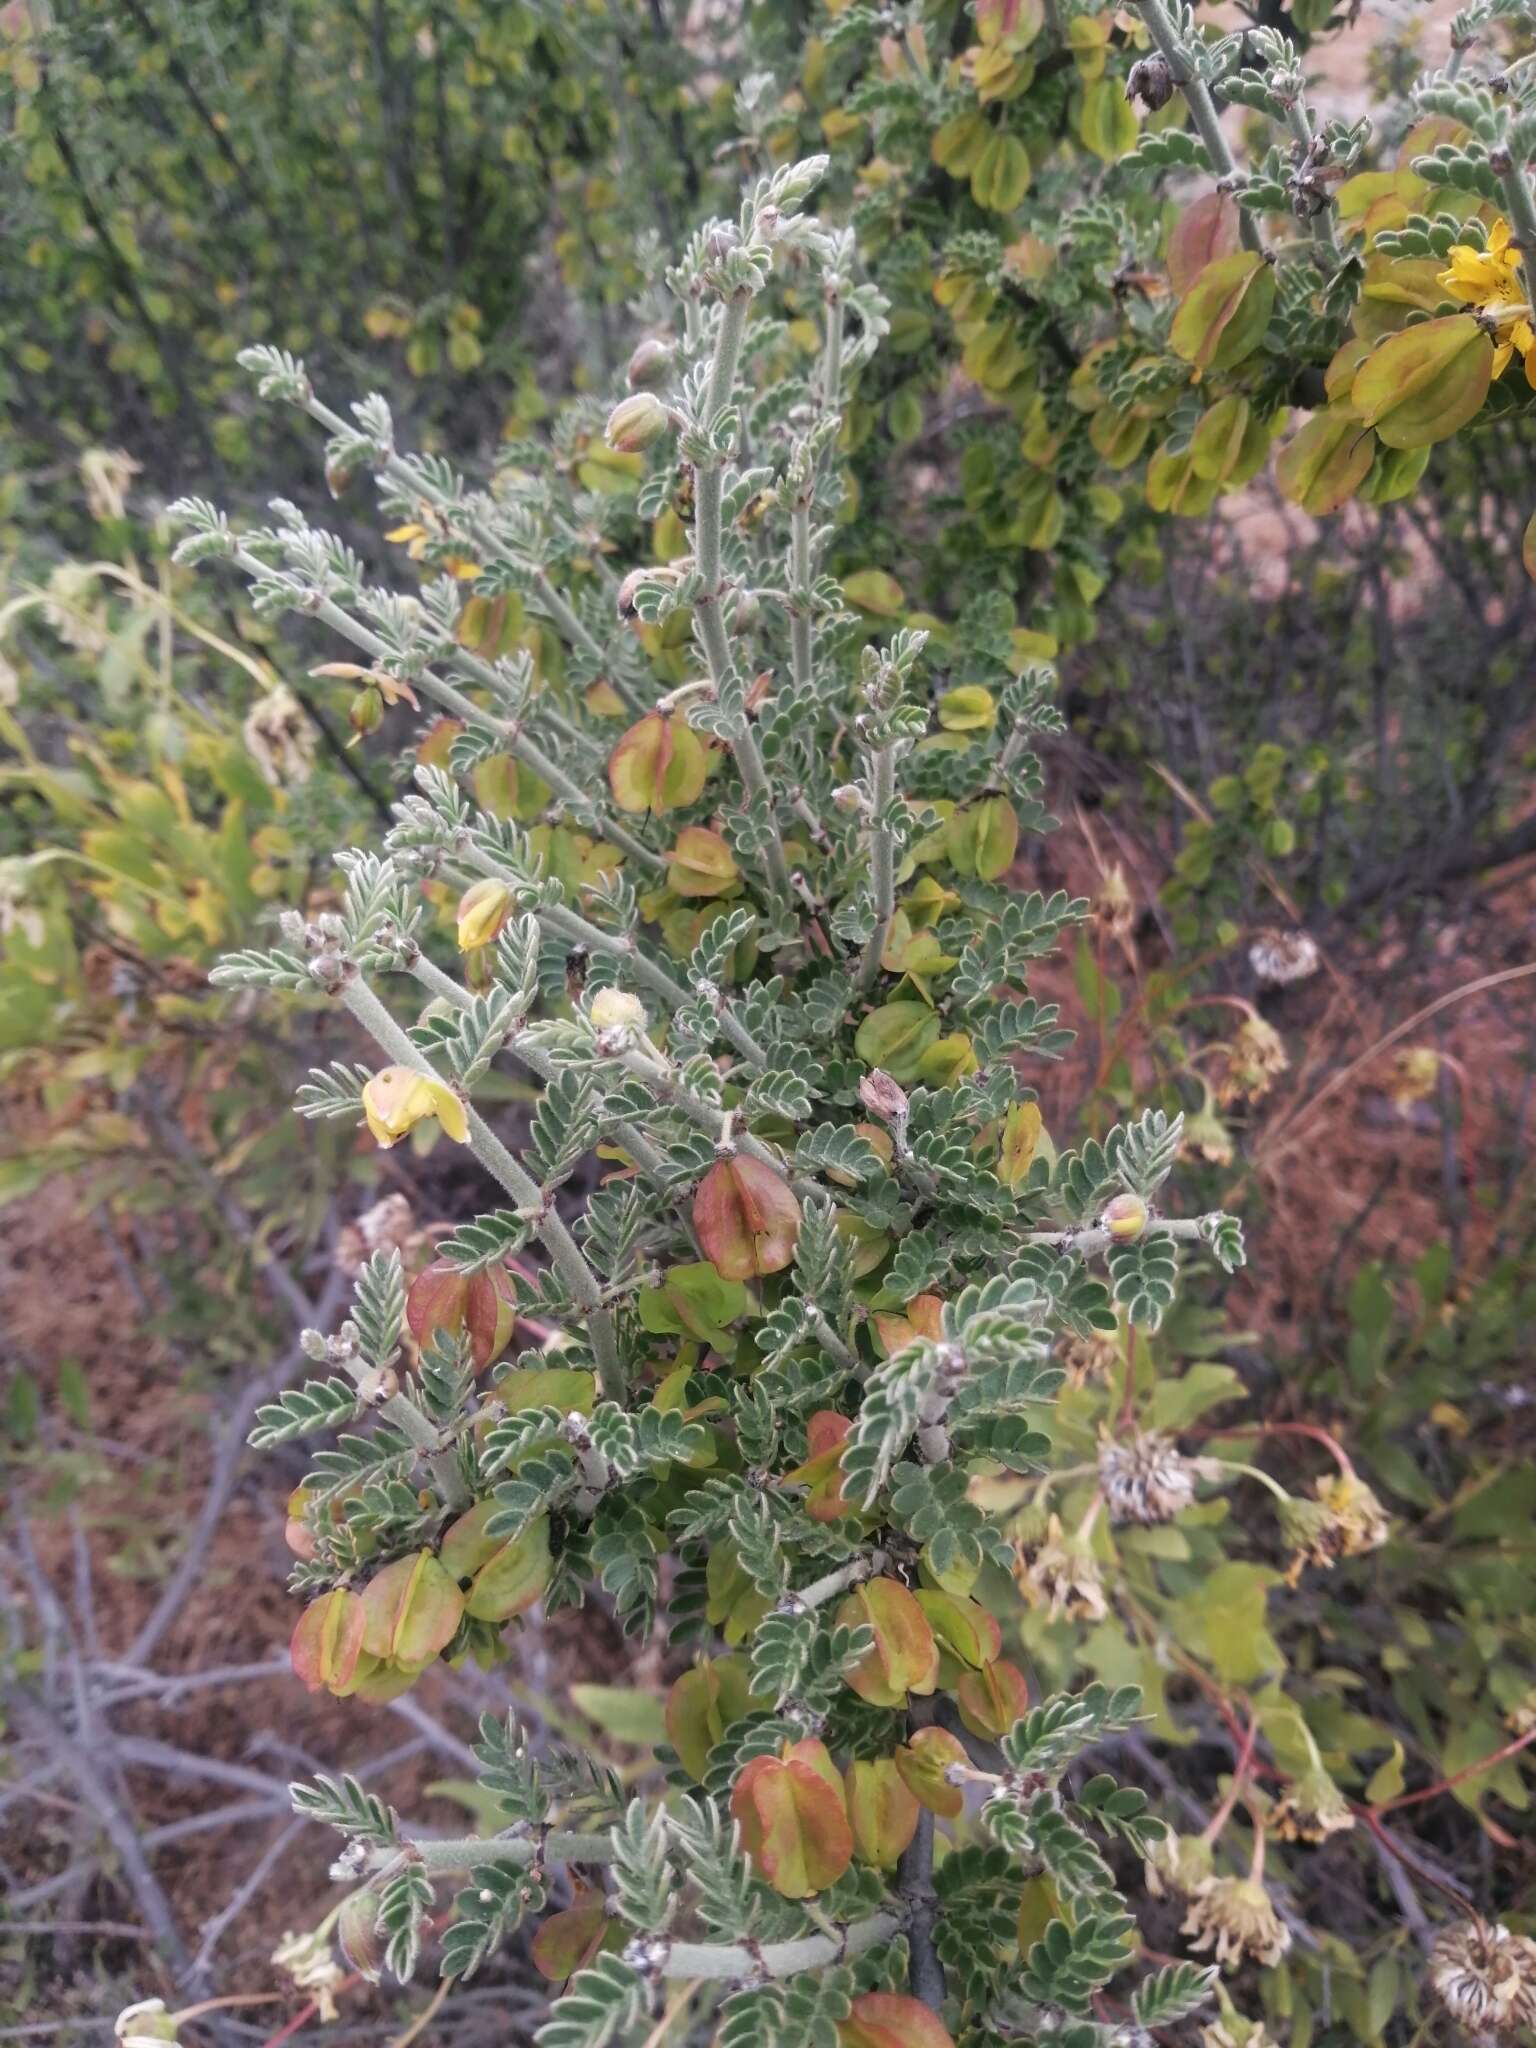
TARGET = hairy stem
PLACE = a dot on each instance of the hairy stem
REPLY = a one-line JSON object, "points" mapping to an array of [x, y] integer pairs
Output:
{"points": [[708, 544], [1522, 214], [1202, 109], [564, 1253], [507, 731], [725, 1961], [882, 863]]}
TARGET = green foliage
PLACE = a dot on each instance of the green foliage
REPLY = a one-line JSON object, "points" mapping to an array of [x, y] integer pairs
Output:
{"points": [[786, 1195], [362, 186]]}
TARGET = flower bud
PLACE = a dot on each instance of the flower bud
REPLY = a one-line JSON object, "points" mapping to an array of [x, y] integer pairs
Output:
{"points": [[484, 909], [883, 1097], [365, 713], [848, 797], [636, 422], [614, 1009], [1125, 1218], [650, 367]]}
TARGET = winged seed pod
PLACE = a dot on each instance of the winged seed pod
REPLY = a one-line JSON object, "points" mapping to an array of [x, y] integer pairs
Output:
{"points": [[786, 1342]]}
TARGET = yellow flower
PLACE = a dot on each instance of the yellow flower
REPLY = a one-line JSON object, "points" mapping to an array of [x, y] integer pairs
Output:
{"points": [[484, 909], [398, 1098], [1490, 280]]}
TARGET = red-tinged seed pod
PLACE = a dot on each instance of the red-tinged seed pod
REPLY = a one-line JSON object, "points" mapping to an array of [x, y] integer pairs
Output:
{"points": [[483, 1304]]}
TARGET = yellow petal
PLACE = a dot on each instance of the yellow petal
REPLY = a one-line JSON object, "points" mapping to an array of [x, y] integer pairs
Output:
{"points": [[411, 531], [450, 1113], [1498, 237], [1501, 356]]}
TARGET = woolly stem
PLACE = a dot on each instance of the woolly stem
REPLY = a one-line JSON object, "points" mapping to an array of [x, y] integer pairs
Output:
{"points": [[882, 863], [1202, 109], [507, 731], [821, 1590], [708, 544], [725, 1961], [442, 1859], [1522, 214], [565, 1254]]}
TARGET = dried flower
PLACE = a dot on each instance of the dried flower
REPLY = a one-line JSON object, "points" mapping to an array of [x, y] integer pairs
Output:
{"points": [[1232, 2029], [1060, 1574], [883, 1097], [390, 1225], [1345, 1520], [1207, 1137], [1254, 1059], [1088, 1359], [1147, 1480], [1485, 1977], [71, 612], [1283, 957], [1114, 907], [398, 1098], [1150, 80], [309, 1961], [1311, 1810], [145, 2025], [1177, 1865], [279, 737], [106, 474], [1236, 1918]]}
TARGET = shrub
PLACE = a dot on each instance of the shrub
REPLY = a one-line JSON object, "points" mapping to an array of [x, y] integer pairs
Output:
{"points": [[773, 970]]}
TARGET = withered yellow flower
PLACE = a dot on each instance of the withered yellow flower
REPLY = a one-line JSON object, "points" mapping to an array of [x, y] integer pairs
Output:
{"points": [[397, 1099], [483, 911]]}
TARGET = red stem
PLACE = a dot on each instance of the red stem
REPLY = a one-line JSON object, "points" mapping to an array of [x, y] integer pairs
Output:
{"points": [[1457, 1777]]}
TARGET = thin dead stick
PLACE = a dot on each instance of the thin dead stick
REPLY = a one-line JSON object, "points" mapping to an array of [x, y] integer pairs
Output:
{"points": [[428, 2011], [1445, 1002], [1485, 1763], [41, 1728]]}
